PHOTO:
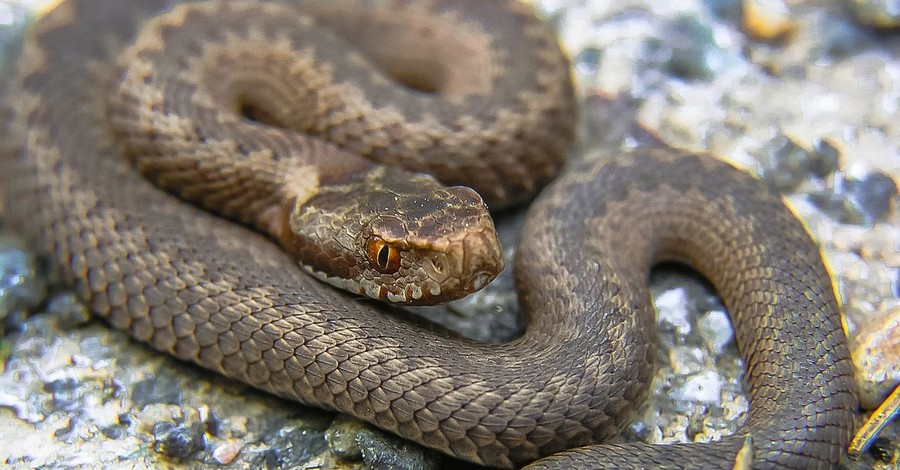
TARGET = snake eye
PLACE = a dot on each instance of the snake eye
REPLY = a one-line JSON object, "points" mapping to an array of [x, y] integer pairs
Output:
{"points": [[382, 256]]}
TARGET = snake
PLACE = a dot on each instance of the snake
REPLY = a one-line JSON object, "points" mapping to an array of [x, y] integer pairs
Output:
{"points": [[195, 170]]}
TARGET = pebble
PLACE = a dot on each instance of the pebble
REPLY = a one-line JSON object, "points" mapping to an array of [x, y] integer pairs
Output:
{"points": [[216, 425], [66, 393], [587, 61], [68, 311], [859, 202], [341, 437], [114, 432], [838, 38], [876, 355], [224, 454], [877, 13], [382, 450], [294, 444], [673, 314], [767, 20], [885, 450], [825, 158], [178, 441], [353, 440], [784, 163], [686, 360], [715, 328], [725, 9], [687, 49], [161, 388], [22, 285], [704, 388]]}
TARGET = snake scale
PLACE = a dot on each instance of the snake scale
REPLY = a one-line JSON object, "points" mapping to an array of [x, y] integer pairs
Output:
{"points": [[481, 96]]}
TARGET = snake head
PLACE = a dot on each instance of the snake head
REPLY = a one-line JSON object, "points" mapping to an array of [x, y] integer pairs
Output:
{"points": [[398, 237]]}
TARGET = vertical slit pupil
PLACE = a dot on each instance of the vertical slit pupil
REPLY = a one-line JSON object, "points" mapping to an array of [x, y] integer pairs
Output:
{"points": [[383, 255]]}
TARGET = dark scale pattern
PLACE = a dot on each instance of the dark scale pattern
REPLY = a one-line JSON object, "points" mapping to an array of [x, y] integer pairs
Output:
{"points": [[211, 291]]}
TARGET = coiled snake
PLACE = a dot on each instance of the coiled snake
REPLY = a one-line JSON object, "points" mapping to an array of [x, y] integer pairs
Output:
{"points": [[481, 96]]}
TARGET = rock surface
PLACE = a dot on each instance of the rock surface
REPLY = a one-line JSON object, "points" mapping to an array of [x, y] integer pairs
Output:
{"points": [[813, 111]]}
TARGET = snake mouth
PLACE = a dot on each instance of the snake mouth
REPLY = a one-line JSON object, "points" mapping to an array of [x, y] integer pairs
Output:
{"points": [[479, 280]]}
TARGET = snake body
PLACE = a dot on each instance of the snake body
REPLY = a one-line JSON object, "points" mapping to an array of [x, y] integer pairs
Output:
{"points": [[212, 291]]}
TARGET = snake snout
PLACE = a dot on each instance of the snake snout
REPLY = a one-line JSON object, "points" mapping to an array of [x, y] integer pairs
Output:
{"points": [[484, 259], [479, 280]]}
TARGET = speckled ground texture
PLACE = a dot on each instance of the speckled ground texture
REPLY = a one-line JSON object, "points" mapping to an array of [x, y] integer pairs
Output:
{"points": [[806, 96]]}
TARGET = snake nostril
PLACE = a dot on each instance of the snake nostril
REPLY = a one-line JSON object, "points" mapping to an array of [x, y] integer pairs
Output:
{"points": [[438, 265]]}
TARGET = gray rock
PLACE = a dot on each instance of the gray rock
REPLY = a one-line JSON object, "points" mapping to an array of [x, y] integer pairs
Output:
{"points": [[687, 49], [161, 388], [588, 61], [384, 451], [294, 445], [178, 441], [814, 87], [878, 13], [341, 437], [785, 164], [22, 285], [68, 310], [859, 202]]}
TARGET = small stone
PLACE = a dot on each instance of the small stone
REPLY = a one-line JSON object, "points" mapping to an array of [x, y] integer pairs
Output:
{"points": [[673, 315], [21, 286], [686, 360], [687, 49], [876, 355], [162, 388], [115, 389], [767, 20], [177, 441], [784, 163], [839, 39], [68, 310], [341, 437], [587, 61], [825, 158], [15, 321], [873, 196], [114, 432], [883, 449], [293, 445], [225, 453], [715, 329], [69, 431], [725, 9], [858, 202], [66, 393], [216, 425], [705, 388], [273, 458], [878, 13], [381, 450]]}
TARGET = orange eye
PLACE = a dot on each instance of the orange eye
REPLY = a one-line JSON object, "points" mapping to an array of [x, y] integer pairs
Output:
{"points": [[382, 256]]}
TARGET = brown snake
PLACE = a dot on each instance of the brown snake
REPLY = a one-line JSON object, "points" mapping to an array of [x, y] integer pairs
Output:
{"points": [[494, 111]]}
